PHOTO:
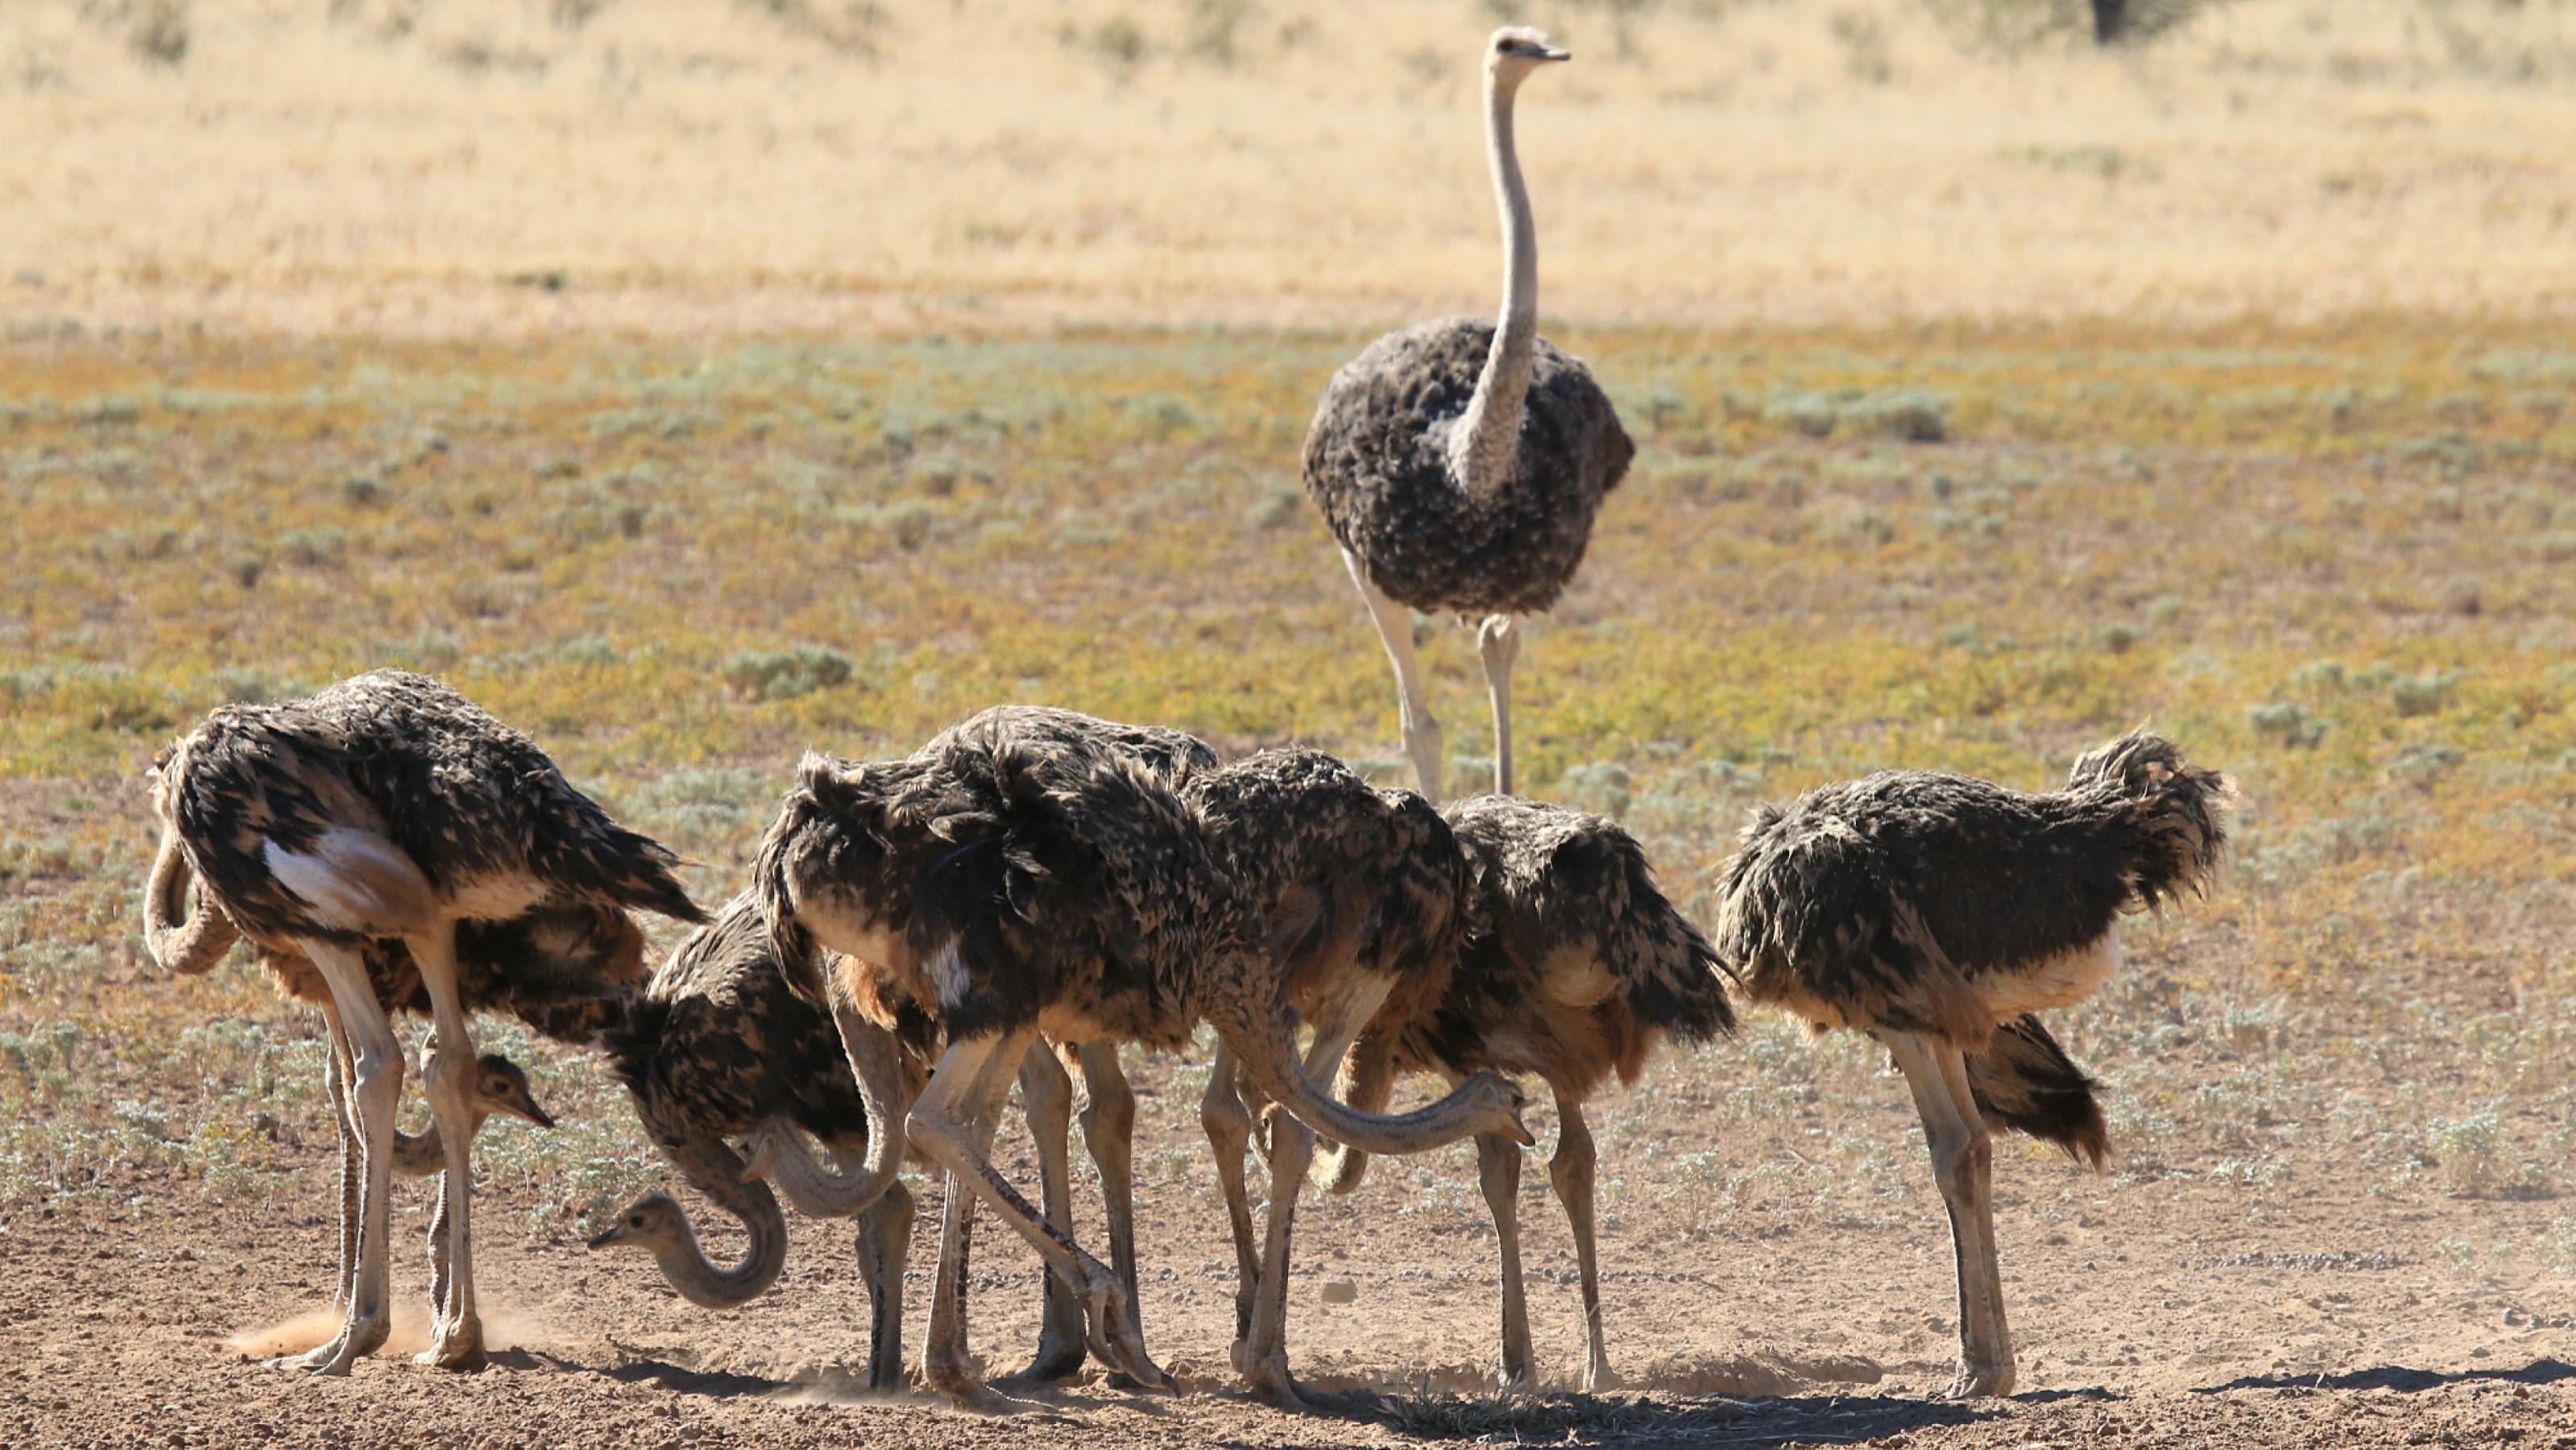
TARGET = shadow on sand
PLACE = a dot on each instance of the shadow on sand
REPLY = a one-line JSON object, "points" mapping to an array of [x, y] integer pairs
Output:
{"points": [[2403, 1380]]}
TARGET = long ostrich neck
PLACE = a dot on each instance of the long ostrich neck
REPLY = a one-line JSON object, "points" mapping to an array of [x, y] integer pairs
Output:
{"points": [[1265, 1046], [1482, 451], [179, 941], [779, 1154], [712, 1169]]}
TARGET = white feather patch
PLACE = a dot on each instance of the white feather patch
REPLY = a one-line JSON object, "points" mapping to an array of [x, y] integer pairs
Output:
{"points": [[947, 973], [353, 881]]}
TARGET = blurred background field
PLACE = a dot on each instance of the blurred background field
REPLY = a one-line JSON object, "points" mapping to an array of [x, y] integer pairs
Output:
{"points": [[449, 167]]}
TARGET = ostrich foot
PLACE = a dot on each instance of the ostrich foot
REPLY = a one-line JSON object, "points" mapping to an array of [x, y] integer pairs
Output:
{"points": [[1601, 1377], [353, 1343], [1980, 1382], [1056, 1360], [457, 1347], [965, 1392], [1117, 1342], [1270, 1379]]}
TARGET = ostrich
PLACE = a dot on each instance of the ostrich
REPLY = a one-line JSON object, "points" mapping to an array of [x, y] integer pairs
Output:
{"points": [[1460, 465], [1939, 914], [1109, 1111], [718, 1047], [389, 808], [1009, 884], [1573, 965], [1360, 890], [561, 969]]}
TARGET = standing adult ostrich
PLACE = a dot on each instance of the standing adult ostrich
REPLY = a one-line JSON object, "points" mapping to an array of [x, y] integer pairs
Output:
{"points": [[1938, 914], [1460, 464], [1572, 965], [1010, 884], [389, 808]]}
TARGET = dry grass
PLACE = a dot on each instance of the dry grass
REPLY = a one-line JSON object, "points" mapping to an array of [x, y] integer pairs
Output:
{"points": [[2334, 561], [473, 167]]}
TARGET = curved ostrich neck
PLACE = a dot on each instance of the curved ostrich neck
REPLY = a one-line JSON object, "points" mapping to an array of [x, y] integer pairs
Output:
{"points": [[1267, 1053], [1481, 452], [685, 1265], [712, 1169], [779, 1154]]}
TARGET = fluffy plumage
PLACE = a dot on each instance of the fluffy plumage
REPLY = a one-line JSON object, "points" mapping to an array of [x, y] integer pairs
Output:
{"points": [[1055, 874], [1377, 465], [1347, 876], [1011, 881], [718, 1043], [266, 799], [1922, 902]]}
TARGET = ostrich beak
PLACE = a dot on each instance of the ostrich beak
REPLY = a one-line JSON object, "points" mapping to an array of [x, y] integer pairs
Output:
{"points": [[1552, 52], [537, 1115], [615, 1233]]}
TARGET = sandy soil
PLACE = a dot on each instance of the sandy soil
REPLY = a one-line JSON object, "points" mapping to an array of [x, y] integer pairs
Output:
{"points": [[2148, 1311]]}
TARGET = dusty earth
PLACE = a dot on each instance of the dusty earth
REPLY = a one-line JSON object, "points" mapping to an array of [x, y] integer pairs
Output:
{"points": [[2150, 1309]]}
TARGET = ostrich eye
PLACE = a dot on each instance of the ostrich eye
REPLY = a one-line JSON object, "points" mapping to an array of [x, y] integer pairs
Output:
{"points": [[635, 1220]]}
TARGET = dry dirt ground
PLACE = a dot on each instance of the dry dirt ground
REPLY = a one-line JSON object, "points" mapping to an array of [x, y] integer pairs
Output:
{"points": [[2153, 1307]]}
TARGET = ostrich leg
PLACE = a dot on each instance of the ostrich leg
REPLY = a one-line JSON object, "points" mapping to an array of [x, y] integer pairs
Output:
{"points": [[336, 1073], [1498, 1173], [374, 1091], [1422, 740], [1263, 1359], [1498, 643], [1570, 1173], [941, 1126], [457, 1342], [1109, 1129], [1046, 1091], [1963, 1165], [885, 1233], [1229, 1130], [945, 1360]]}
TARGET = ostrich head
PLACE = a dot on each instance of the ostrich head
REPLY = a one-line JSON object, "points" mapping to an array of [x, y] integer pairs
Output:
{"points": [[1515, 51], [500, 1087], [652, 1222]]}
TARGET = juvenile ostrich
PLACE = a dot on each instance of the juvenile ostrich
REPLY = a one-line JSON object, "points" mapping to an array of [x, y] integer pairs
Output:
{"points": [[1938, 914], [1572, 965], [1460, 464], [1109, 1111], [1009, 884], [1360, 890], [717, 1047], [389, 808]]}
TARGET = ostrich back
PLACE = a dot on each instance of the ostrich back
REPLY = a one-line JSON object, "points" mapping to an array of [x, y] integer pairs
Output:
{"points": [[1064, 879], [470, 801], [718, 1042], [1574, 963], [1346, 875], [1867, 898], [1377, 464], [1171, 754]]}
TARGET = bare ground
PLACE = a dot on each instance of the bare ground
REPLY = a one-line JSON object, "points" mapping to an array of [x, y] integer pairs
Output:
{"points": [[2151, 1309]]}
